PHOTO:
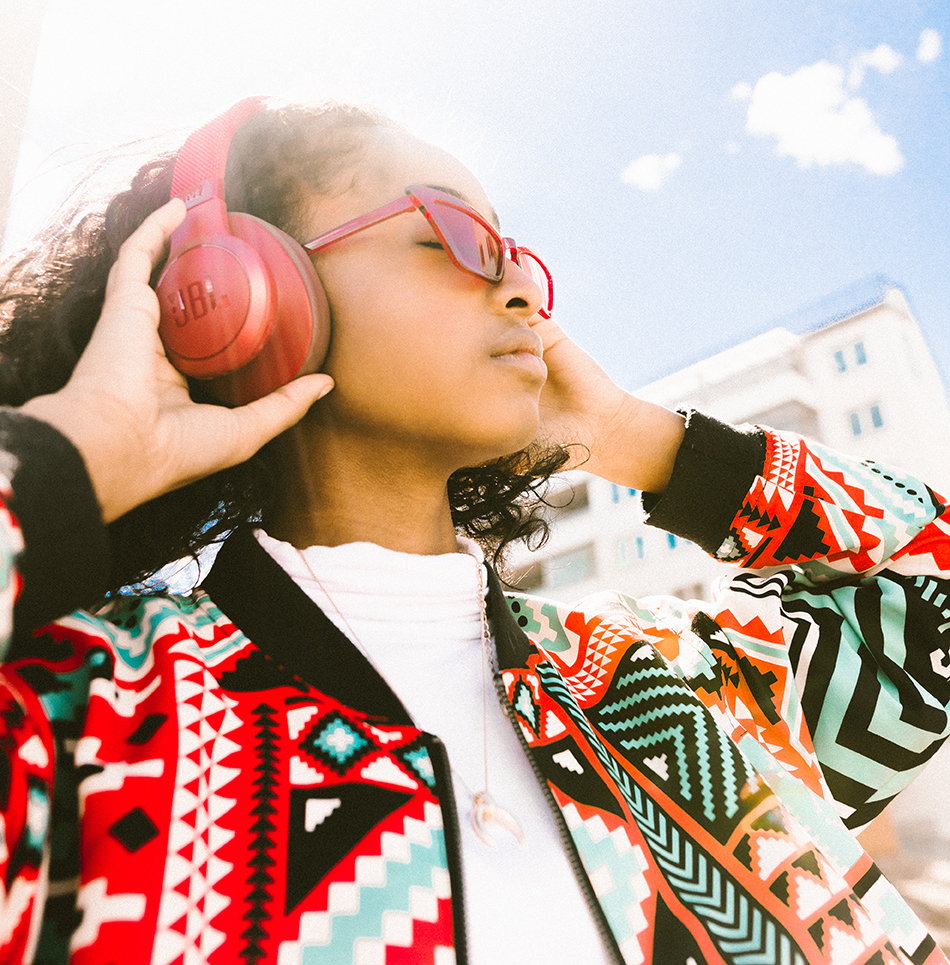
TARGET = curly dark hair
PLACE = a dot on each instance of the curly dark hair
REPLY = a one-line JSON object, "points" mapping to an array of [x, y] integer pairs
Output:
{"points": [[51, 295]]}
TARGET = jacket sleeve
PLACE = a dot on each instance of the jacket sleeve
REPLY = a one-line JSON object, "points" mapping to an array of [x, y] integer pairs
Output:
{"points": [[53, 557], [832, 642], [53, 547]]}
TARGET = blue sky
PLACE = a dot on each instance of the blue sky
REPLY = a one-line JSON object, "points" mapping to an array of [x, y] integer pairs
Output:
{"points": [[691, 171]]}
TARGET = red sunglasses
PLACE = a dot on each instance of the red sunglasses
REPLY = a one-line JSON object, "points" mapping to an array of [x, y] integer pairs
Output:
{"points": [[470, 241]]}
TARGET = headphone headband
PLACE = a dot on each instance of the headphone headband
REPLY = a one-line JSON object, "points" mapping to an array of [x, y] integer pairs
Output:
{"points": [[204, 154], [241, 305]]}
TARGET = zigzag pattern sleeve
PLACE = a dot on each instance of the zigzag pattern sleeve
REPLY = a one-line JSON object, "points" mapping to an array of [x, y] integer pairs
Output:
{"points": [[870, 551], [839, 622], [799, 503], [51, 554], [53, 547], [834, 516]]}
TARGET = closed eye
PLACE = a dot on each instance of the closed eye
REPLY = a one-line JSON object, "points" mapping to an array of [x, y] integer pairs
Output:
{"points": [[435, 245]]}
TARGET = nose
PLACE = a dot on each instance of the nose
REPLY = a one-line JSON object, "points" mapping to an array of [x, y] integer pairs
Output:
{"points": [[517, 291]]}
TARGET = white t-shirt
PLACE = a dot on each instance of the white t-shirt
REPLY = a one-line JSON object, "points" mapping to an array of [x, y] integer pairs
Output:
{"points": [[418, 619]]}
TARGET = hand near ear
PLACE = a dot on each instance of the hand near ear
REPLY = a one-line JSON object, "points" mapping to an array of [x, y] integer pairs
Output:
{"points": [[127, 409], [630, 441]]}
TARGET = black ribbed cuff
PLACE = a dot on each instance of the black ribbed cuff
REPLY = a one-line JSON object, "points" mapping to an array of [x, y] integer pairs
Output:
{"points": [[66, 560], [715, 467]]}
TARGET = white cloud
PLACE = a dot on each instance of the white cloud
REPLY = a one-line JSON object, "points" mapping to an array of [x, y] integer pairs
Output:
{"points": [[883, 58], [650, 171], [816, 121], [931, 46], [742, 91]]}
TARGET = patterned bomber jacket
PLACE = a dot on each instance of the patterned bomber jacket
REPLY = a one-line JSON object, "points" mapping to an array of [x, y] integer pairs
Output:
{"points": [[222, 777]]}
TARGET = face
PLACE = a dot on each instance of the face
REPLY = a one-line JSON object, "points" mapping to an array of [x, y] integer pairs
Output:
{"points": [[424, 355]]}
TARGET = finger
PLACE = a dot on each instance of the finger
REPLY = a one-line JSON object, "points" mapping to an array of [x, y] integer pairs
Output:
{"points": [[127, 286], [551, 333], [259, 422], [143, 248]]}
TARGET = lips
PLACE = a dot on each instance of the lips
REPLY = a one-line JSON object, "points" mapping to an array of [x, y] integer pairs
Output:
{"points": [[523, 340], [524, 349]]}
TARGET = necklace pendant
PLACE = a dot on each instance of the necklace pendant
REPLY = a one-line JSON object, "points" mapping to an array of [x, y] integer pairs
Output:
{"points": [[486, 811]]}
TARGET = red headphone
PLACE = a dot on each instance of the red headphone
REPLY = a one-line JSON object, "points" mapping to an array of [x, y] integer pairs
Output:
{"points": [[241, 303]]}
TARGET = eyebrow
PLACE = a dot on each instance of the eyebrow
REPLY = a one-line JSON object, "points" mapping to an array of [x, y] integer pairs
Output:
{"points": [[461, 197]]}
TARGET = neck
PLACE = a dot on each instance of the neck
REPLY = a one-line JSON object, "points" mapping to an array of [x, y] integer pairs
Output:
{"points": [[332, 492]]}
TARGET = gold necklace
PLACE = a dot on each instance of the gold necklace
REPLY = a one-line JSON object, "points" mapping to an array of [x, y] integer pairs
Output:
{"points": [[484, 809]]}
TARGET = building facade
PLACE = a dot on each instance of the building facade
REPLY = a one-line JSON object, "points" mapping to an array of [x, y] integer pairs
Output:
{"points": [[864, 382]]}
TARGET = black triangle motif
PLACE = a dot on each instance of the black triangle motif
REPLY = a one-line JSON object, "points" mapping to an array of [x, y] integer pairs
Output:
{"points": [[564, 764], [338, 819], [672, 940], [805, 538]]}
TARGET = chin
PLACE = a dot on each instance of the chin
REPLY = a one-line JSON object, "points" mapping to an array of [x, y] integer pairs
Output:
{"points": [[492, 432], [512, 445]]}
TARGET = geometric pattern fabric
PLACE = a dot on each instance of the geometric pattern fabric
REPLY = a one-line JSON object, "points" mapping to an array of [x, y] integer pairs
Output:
{"points": [[213, 805], [190, 901]]}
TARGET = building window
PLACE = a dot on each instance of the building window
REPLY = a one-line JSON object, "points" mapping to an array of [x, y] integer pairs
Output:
{"points": [[569, 500], [860, 357], [617, 492], [628, 551], [528, 578], [871, 416], [571, 567]]}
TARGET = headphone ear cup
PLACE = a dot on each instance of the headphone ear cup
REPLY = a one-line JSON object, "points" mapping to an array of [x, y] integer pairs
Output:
{"points": [[299, 335], [217, 297]]}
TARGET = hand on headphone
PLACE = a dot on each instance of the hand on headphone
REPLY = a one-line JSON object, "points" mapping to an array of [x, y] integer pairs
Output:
{"points": [[127, 409]]}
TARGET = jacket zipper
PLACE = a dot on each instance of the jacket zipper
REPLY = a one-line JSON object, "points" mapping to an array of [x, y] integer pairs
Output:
{"points": [[570, 849], [453, 843]]}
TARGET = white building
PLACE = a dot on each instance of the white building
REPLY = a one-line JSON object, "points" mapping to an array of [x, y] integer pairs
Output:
{"points": [[863, 382]]}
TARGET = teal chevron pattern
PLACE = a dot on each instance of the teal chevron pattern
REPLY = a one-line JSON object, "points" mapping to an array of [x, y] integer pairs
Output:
{"points": [[742, 931], [648, 706]]}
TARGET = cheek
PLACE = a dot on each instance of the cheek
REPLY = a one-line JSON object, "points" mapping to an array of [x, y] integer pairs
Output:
{"points": [[386, 329], [411, 361], [399, 387], [374, 318], [392, 362]]}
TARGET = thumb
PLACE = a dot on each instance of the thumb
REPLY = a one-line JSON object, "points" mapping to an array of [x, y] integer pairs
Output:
{"points": [[268, 417], [300, 394]]}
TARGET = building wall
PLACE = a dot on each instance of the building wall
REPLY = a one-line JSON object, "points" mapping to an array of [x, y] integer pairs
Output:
{"points": [[865, 384]]}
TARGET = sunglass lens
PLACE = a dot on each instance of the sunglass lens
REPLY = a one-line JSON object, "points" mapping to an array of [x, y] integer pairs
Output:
{"points": [[476, 249]]}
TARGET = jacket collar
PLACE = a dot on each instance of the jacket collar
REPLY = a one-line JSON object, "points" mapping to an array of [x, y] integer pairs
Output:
{"points": [[512, 645], [259, 598]]}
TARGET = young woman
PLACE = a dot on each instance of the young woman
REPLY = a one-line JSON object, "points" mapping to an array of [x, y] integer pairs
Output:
{"points": [[348, 744]]}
